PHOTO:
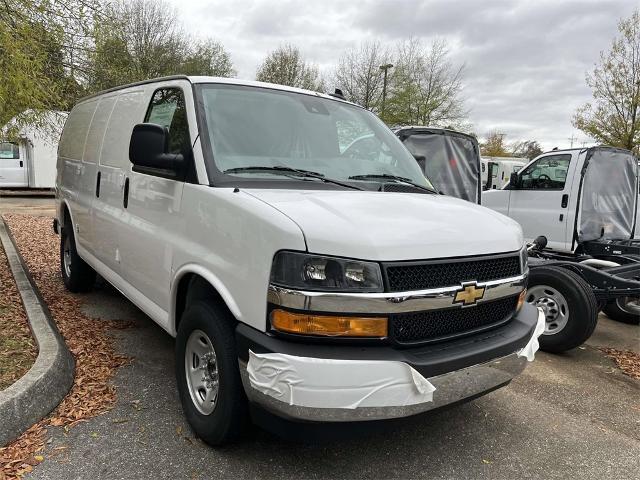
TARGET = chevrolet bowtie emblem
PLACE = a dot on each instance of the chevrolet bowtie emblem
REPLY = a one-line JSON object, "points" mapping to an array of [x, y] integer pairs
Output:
{"points": [[469, 294]]}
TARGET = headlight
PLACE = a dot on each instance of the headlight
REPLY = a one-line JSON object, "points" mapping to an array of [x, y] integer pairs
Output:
{"points": [[524, 259], [314, 272]]}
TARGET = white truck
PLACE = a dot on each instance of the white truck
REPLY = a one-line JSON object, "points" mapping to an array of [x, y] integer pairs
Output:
{"points": [[584, 201], [496, 171], [300, 277], [571, 285], [29, 161]]}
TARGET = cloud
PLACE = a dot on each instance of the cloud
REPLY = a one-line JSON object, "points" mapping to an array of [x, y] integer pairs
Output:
{"points": [[525, 62]]}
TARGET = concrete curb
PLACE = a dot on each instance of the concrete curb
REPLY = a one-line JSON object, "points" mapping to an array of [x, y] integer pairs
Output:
{"points": [[46, 383]]}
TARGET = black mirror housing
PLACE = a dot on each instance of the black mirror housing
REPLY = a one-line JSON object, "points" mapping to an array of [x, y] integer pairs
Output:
{"points": [[149, 151], [513, 181]]}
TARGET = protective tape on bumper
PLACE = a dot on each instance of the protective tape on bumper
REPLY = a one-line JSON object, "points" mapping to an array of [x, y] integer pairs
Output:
{"points": [[532, 347], [326, 383]]}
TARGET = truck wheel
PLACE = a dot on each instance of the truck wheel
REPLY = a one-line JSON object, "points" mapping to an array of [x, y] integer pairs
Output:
{"points": [[77, 275], [569, 305], [207, 373], [624, 309]]}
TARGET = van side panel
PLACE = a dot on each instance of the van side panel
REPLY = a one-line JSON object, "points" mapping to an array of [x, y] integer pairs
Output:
{"points": [[113, 167], [72, 184]]}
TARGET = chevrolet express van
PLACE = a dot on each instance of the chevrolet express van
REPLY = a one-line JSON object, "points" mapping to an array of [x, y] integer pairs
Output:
{"points": [[300, 277]]}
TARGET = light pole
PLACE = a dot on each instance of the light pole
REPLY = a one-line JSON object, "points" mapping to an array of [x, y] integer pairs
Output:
{"points": [[384, 68]]}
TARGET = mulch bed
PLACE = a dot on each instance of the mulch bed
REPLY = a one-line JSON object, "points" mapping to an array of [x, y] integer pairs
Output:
{"points": [[627, 361], [18, 349], [93, 349]]}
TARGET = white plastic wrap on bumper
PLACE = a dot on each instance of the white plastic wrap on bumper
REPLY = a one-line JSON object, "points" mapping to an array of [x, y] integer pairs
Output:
{"points": [[532, 347], [326, 383]]}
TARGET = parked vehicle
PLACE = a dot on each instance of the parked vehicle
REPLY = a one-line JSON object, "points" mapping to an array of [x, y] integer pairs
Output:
{"points": [[30, 161], [572, 287], [298, 276], [447, 159], [499, 170], [584, 201]]}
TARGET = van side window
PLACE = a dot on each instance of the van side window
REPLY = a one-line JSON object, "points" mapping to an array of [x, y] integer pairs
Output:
{"points": [[167, 108], [548, 173], [9, 150]]}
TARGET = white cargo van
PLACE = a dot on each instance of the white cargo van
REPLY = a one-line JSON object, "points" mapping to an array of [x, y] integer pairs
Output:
{"points": [[300, 277], [29, 161], [499, 170]]}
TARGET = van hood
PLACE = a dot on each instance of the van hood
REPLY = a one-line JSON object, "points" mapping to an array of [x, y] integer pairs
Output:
{"points": [[389, 226]]}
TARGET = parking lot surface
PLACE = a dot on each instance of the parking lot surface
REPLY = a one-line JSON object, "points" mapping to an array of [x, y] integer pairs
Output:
{"points": [[572, 415]]}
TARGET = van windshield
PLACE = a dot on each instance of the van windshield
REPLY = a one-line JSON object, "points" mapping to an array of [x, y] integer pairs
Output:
{"points": [[260, 127]]}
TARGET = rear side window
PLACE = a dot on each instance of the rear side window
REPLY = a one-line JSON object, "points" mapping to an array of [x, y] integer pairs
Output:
{"points": [[97, 130], [168, 109], [9, 151], [75, 130], [126, 113]]}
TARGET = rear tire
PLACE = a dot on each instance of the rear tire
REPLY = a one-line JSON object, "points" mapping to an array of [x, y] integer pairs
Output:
{"points": [[77, 275], [208, 374], [570, 307], [624, 309]]}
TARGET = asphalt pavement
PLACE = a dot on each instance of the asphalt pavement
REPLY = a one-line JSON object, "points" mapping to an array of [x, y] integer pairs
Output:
{"points": [[572, 415]]}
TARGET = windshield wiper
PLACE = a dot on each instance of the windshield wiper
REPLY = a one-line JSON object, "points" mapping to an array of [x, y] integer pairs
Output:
{"points": [[386, 176], [284, 170]]}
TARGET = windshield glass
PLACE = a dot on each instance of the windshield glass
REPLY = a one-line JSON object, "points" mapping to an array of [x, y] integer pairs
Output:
{"points": [[451, 162], [261, 127]]}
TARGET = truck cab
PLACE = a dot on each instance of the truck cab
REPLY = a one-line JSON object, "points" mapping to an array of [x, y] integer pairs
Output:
{"points": [[572, 196]]}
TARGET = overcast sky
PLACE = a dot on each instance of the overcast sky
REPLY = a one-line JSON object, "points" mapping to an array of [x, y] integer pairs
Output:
{"points": [[525, 61]]}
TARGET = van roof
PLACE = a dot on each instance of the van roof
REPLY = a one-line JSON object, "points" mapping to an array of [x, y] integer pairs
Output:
{"points": [[222, 80]]}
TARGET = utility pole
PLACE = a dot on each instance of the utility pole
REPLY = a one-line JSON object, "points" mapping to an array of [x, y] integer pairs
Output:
{"points": [[384, 68], [572, 139]]}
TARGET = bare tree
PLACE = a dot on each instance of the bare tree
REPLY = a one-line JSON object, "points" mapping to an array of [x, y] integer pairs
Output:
{"points": [[426, 88], [285, 66], [359, 76], [526, 149], [613, 117], [142, 39]]}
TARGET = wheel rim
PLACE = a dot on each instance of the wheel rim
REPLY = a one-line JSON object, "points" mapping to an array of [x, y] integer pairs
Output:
{"points": [[554, 306], [201, 369], [66, 256], [630, 305]]}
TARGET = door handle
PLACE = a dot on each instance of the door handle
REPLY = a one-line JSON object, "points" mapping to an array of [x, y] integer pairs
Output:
{"points": [[21, 164], [98, 185], [565, 200], [125, 199]]}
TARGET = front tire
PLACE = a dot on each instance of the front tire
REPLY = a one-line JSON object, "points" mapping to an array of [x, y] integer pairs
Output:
{"points": [[624, 309], [569, 305], [208, 375], [77, 275]]}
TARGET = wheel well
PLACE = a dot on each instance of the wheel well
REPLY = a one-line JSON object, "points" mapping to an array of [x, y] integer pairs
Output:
{"points": [[193, 287], [65, 216]]}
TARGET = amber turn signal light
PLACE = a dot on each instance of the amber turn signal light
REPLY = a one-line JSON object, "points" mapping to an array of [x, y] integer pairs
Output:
{"points": [[521, 299], [328, 325]]}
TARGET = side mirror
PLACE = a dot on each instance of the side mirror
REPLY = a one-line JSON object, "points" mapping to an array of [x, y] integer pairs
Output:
{"points": [[422, 161], [514, 181], [149, 151]]}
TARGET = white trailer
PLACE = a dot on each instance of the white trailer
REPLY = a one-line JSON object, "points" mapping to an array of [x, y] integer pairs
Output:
{"points": [[496, 171], [29, 161]]}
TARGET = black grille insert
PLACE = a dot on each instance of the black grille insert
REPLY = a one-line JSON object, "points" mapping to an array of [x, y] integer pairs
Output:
{"points": [[433, 325], [449, 272]]}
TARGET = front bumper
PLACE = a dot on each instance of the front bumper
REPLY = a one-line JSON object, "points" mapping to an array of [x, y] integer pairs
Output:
{"points": [[320, 382]]}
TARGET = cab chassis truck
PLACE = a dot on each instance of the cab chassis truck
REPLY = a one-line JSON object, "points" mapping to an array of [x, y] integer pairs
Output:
{"points": [[596, 266]]}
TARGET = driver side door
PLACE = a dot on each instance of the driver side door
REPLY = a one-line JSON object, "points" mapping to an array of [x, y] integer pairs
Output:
{"points": [[539, 202]]}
